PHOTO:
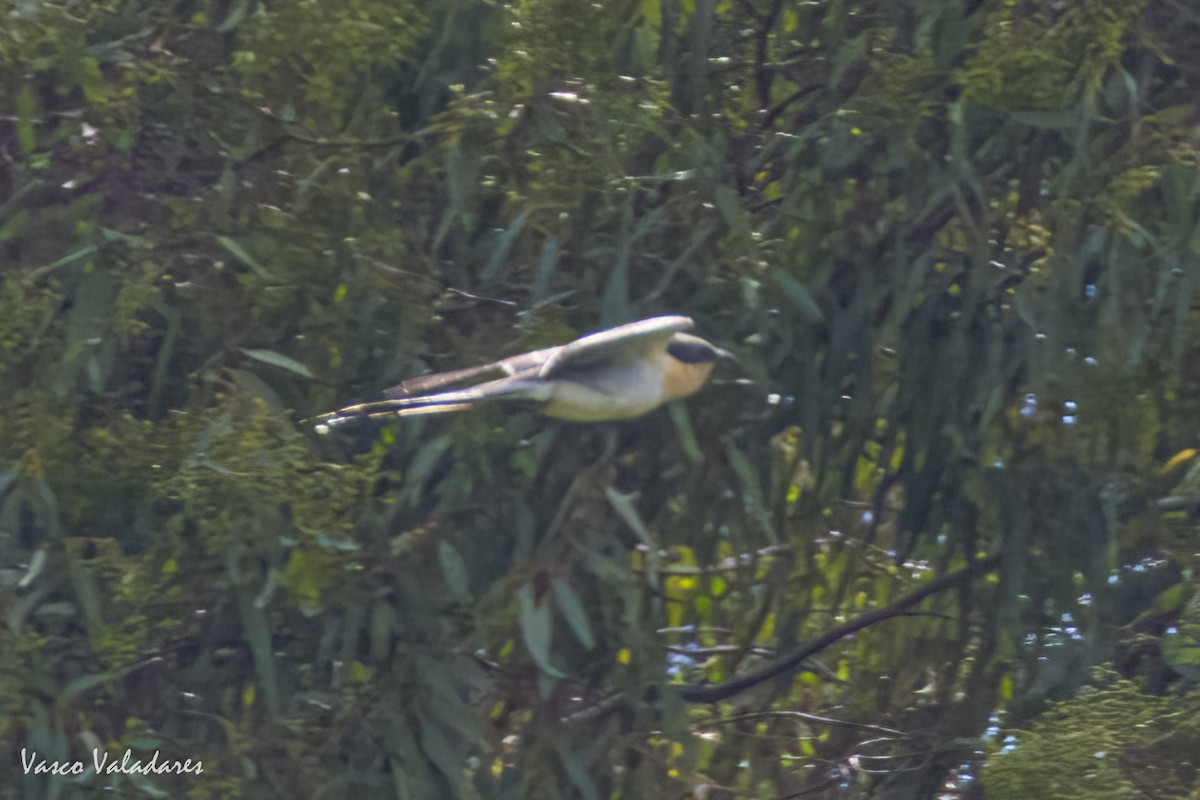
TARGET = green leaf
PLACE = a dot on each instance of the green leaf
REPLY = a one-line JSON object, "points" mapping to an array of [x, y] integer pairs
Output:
{"points": [[577, 771], [623, 505], [14, 225], [547, 262], [236, 14], [798, 295], [421, 467], [573, 612], [86, 682], [536, 629], [445, 750], [454, 570], [1048, 120], [37, 562], [1181, 649], [499, 258], [652, 13], [950, 35], [383, 618], [9, 475], [279, 360], [82, 252], [752, 495], [240, 253], [329, 543], [96, 90], [26, 113], [1168, 601], [460, 183], [45, 505], [145, 786], [687, 436], [87, 592], [256, 629]]}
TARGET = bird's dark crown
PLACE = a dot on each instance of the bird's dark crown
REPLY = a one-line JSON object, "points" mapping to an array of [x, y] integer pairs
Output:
{"points": [[693, 350]]}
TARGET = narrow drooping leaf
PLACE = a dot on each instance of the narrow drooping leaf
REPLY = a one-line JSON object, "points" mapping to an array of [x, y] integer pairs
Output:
{"points": [[573, 612], [256, 629], [547, 262], [454, 570], [623, 505], [278, 360], [498, 261], [536, 629], [577, 771], [242, 255]]}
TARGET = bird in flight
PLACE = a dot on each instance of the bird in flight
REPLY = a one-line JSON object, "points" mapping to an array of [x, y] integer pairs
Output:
{"points": [[619, 373]]}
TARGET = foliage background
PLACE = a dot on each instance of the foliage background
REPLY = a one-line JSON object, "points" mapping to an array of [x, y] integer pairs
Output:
{"points": [[955, 245]]}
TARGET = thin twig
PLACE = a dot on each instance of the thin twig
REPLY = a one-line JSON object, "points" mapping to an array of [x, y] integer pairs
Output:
{"points": [[726, 689]]}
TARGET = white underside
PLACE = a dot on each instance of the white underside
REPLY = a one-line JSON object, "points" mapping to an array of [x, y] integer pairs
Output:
{"points": [[617, 392]]}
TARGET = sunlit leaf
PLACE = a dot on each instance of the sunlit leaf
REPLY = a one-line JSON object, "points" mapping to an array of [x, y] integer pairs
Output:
{"points": [[1182, 457], [26, 113], [278, 360]]}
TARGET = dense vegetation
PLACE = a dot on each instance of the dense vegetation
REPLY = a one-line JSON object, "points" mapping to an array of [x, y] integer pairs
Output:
{"points": [[937, 534]]}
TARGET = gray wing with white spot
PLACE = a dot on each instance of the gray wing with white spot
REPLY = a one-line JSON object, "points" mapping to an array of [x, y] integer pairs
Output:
{"points": [[622, 343]]}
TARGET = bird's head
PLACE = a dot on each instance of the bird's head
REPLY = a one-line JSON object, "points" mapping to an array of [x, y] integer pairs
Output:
{"points": [[694, 350], [689, 362]]}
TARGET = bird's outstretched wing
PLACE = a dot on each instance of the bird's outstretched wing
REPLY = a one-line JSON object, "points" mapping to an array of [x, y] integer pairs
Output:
{"points": [[516, 365], [622, 343]]}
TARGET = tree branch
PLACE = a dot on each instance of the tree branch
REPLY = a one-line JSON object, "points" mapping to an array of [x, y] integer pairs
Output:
{"points": [[788, 662]]}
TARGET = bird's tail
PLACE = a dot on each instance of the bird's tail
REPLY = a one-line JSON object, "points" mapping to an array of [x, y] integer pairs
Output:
{"points": [[440, 403]]}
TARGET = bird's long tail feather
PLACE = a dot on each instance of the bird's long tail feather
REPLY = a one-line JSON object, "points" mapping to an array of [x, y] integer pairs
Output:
{"points": [[441, 403], [384, 409]]}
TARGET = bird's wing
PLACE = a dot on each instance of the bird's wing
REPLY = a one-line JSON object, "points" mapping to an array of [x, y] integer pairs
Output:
{"points": [[508, 367], [622, 343]]}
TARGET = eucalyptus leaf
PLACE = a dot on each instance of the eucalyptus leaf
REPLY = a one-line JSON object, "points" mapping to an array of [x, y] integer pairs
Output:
{"points": [[798, 295], [85, 683], [242, 255], [144, 785], [547, 262], [536, 629], [495, 267], [574, 613], [256, 629], [623, 505], [454, 570], [577, 771], [278, 360], [752, 495]]}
